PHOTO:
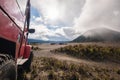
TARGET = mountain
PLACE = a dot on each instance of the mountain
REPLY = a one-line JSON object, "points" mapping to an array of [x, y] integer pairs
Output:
{"points": [[99, 35], [42, 41], [36, 41]]}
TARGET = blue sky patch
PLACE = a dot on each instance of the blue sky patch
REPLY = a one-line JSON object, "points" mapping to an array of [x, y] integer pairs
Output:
{"points": [[34, 12]]}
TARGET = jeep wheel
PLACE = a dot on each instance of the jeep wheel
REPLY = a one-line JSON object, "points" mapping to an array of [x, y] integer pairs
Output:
{"points": [[7, 67]]}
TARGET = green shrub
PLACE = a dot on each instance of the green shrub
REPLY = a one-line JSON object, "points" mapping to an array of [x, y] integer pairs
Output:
{"points": [[93, 52]]}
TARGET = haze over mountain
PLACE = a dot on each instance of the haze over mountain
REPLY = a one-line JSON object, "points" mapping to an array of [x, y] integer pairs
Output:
{"points": [[99, 35]]}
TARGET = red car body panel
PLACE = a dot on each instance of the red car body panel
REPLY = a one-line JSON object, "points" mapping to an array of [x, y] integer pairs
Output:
{"points": [[12, 8], [8, 29], [11, 25]]}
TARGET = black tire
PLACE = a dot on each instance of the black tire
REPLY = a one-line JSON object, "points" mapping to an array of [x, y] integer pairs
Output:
{"points": [[27, 64], [7, 67]]}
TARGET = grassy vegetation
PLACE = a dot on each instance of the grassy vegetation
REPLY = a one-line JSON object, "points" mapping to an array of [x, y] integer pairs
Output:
{"points": [[53, 69], [93, 52], [35, 48], [44, 68]]}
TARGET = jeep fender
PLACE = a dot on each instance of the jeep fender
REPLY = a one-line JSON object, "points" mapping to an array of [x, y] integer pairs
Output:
{"points": [[27, 51]]}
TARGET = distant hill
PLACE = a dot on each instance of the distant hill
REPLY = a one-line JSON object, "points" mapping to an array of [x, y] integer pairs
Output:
{"points": [[36, 41], [99, 35], [42, 41]]}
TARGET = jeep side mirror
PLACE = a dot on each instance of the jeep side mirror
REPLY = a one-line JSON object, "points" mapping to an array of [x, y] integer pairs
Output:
{"points": [[31, 30]]}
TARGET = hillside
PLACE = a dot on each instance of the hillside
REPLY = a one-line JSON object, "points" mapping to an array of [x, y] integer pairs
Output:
{"points": [[99, 35]]}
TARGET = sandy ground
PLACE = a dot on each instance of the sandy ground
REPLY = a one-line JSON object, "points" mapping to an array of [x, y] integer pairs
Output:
{"points": [[45, 52]]}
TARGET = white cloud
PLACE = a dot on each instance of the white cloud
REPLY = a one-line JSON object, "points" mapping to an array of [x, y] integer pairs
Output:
{"points": [[43, 33], [59, 11], [116, 13], [38, 19], [69, 18], [99, 13]]}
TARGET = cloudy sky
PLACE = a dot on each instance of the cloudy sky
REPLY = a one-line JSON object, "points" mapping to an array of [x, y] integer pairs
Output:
{"points": [[66, 19]]}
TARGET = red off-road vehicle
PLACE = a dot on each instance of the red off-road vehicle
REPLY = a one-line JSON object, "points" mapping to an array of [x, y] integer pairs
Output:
{"points": [[14, 30]]}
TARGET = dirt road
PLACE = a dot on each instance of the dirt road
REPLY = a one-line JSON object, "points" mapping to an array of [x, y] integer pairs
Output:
{"points": [[45, 52]]}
